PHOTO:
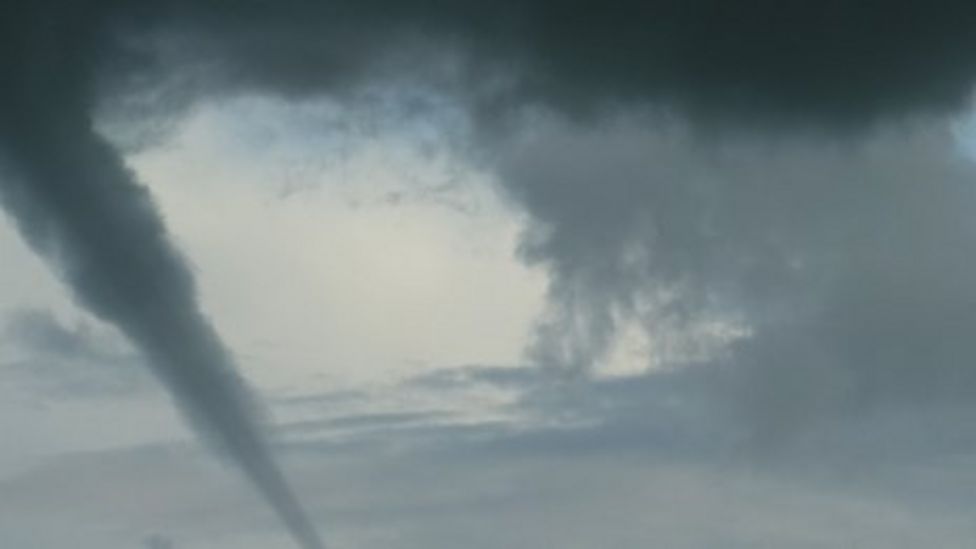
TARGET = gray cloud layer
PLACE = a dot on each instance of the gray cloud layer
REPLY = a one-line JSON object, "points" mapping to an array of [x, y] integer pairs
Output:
{"points": [[500, 494], [846, 262]]}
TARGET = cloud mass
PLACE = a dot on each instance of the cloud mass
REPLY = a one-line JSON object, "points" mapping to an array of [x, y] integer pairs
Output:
{"points": [[766, 190]]}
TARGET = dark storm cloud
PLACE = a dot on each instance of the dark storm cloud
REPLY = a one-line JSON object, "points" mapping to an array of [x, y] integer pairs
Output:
{"points": [[832, 63], [848, 304]]}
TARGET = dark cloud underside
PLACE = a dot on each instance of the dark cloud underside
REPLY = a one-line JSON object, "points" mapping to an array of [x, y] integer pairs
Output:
{"points": [[821, 64]]}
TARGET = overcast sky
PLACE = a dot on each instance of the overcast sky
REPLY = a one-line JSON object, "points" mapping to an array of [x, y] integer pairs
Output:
{"points": [[490, 275]]}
